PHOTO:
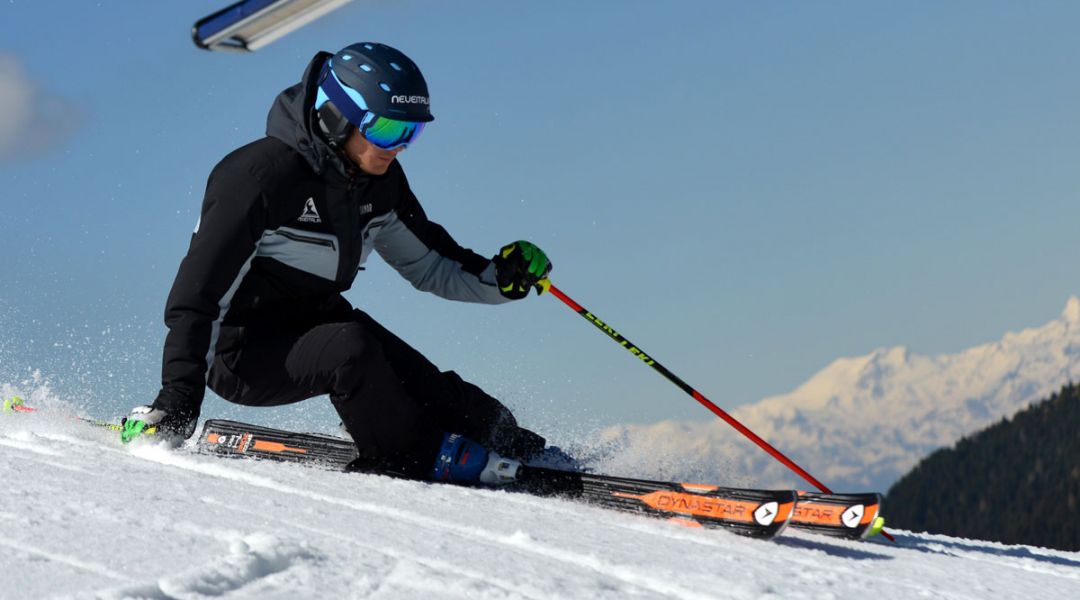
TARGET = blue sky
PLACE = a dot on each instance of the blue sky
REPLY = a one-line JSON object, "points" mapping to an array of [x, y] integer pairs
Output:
{"points": [[746, 190]]}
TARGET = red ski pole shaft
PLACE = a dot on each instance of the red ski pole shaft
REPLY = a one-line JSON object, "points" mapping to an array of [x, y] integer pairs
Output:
{"points": [[696, 395]]}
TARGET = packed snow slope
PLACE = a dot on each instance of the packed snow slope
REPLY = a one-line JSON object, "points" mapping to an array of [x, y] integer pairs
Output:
{"points": [[83, 516], [862, 422]]}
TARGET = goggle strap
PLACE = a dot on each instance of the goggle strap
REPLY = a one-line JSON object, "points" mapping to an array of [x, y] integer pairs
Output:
{"points": [[339, 97]]}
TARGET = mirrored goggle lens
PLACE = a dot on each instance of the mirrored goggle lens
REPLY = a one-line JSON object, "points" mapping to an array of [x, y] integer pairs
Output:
{"points": [[389, 134]]}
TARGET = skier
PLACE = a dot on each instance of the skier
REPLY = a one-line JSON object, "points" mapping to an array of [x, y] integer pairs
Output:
{"points": [[256, 311]]}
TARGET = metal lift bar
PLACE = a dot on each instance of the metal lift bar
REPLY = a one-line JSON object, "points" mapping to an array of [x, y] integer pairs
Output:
{"points": [[249, 25]]}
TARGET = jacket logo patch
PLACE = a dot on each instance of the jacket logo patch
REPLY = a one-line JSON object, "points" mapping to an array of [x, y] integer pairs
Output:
{"points": [[310, 215], [365, 209]]}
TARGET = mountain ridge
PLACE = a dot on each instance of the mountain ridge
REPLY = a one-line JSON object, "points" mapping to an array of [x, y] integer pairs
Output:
{"points": [[862, 422]]}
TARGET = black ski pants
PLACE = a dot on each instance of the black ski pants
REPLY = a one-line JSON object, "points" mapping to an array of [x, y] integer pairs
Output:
{"points": [[394, 402]]}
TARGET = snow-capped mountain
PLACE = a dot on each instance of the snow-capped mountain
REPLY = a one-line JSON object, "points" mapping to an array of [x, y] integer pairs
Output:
{"points": [[861, 423]]}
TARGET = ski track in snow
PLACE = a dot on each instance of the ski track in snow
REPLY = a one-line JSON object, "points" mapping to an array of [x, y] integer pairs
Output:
{"points": [[433, 565], [82, 516], [249, 560], [28, 549], [517, 540], [29, 446]]}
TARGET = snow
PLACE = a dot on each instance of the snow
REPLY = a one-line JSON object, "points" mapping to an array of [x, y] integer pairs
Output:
{"points": [[1071, 314], [84, 516], [862, 422]]}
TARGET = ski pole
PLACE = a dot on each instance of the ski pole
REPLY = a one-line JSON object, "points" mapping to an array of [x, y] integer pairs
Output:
{"points": [[696, 395], [17, 404]]}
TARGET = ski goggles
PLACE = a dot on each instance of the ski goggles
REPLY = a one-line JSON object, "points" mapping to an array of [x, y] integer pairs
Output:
{"points": [[389, 134]]}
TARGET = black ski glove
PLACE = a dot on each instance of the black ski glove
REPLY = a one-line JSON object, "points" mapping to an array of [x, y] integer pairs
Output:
{"points": [[520, 266], [172, 426]]}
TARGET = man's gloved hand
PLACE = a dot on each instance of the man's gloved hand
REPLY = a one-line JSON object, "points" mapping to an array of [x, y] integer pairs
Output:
{"points": [[172, 426], [520, 266]]}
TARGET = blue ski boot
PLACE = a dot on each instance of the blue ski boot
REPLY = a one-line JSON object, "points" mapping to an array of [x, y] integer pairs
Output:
{"points": [[462, 460]]}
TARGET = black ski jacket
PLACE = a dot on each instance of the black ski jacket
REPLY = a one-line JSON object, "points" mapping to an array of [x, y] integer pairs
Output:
{"points": [[286, 223]]}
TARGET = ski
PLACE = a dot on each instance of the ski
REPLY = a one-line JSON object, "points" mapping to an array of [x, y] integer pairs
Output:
{"points": [[235, 439], [758, 513], [754, 513], [853, 516]]}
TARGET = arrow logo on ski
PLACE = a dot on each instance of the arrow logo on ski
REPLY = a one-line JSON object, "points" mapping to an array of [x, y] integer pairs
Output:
{"points": [[852, 516], [766, 513]]}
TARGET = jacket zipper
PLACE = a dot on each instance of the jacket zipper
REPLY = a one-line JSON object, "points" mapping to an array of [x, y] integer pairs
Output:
{"points": [[304, 238]]}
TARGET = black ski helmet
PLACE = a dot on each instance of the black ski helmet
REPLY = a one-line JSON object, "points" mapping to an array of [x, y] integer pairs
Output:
{"points": [[369, 77]]}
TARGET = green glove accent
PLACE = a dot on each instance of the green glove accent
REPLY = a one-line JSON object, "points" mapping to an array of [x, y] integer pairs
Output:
{"points": [[133, 428], [520, 266]]}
